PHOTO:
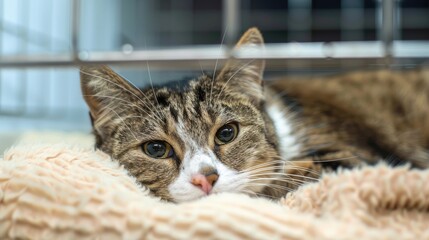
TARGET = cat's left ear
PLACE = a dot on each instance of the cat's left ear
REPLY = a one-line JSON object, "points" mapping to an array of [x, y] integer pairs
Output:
{"points": [[245, 76]]}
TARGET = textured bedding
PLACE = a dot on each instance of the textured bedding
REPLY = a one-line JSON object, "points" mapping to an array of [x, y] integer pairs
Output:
{"points": [[65, 192]]}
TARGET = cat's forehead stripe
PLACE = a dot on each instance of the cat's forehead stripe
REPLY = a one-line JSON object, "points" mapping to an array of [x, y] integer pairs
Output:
{"points": [[184, 135], [183, 113], [188, 115], [173, 113]]}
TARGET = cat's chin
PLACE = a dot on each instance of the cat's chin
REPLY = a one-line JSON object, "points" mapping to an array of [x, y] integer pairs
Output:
{"points": [[196, 194], [190, 198], [193, 193], [196, 197]]}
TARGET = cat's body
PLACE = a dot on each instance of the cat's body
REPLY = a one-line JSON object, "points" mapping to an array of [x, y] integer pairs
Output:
{"points": [[358, 118], [228, 133]]}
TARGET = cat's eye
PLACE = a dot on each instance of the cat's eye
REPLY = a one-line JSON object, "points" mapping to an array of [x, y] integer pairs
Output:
{"points": [[227, 133], [158, 149]]}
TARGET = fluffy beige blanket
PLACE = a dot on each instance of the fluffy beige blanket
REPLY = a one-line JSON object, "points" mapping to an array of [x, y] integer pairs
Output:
{"points": [[63, 192]]}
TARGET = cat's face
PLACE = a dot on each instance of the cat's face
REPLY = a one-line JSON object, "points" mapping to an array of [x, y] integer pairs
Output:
{"points": [[209, 137]]}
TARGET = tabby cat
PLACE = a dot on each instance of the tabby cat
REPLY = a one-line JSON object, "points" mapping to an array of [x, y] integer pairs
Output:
{"points": [[230, 133]]}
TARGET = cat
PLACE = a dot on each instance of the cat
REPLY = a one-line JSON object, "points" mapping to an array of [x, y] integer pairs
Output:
{"points": [[234, 132]]}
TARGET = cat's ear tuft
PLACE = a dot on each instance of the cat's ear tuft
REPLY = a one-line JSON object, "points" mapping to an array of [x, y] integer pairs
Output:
{"points": [[246, 76], [102, 87]]}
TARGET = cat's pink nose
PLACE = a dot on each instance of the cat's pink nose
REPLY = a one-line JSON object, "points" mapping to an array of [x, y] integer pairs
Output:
{"points": [[206, 183]]}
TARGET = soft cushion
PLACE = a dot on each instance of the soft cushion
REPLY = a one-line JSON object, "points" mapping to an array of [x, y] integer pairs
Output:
{"points": [[66, 192]]}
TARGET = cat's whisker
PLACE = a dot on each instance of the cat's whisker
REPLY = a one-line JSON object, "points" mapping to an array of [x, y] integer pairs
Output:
{"points": [[127, 104], [126, 90], [215, 68], [133, 116], [279, 176], [261, 195], [201, 68], [122, 87], [255, 194], [287, 186], [334, 160], [150, 81], [273, 162], [293, 187], [232, 76], [270, 185], [126, 125], [261, 170], [269, 171], [157, 113], [150, 76], [285, 175], [277, 165], [301, 170], [287, 180], [148, 101]]}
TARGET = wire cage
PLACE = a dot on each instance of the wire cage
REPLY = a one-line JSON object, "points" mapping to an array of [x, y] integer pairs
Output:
{"points": [[43, 41]]}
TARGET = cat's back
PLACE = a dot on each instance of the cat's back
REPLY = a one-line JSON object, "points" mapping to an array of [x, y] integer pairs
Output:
{"points": [[388, 108], [382, 88]]}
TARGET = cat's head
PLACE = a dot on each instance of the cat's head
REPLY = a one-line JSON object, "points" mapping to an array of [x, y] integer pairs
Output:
{"points": [[211, 137]]}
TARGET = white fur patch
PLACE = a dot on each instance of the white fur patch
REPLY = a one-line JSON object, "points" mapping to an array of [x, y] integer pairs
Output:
{"points": [[289, 146], [195, 158], [230, 180], [184, 136], [183, 190]]}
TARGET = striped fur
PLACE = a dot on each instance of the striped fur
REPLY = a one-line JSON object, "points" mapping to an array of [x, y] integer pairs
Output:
{"points": [[289, 130]]}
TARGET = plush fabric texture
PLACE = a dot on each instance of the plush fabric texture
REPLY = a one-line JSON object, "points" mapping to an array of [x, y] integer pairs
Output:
{"points": [[64, 192]]}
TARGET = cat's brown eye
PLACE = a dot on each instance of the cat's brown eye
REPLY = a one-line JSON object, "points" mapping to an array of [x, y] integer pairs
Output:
{"points": [[158, 149], [226, 133]]}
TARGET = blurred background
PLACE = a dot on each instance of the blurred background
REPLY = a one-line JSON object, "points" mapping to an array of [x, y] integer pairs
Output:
{"points": [[42, 41]]}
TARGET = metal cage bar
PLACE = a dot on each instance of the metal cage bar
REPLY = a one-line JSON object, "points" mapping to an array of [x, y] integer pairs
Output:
{"points": [[277, 55]]}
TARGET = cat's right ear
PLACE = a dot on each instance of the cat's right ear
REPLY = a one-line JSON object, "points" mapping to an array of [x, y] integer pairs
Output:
{"points": [[102, 88]]}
